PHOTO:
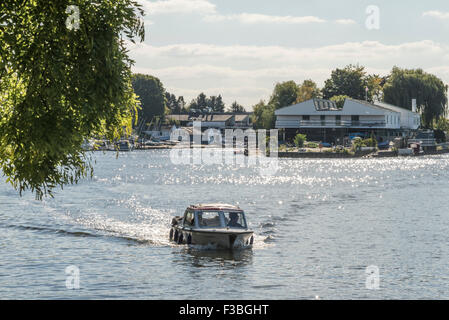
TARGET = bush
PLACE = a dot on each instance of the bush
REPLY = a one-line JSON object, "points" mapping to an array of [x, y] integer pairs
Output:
{"points": [[370, 142], [299, 140], [358, 143], [311, 145]]}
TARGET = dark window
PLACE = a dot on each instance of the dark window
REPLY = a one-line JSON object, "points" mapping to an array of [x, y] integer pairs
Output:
{"points": [[338, 120], [307, 118], [323, 120], [188, 219]]}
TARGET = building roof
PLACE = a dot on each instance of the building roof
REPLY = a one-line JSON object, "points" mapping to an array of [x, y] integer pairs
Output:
{"points": [[327, 107], [241, 117], [393, 107], [178, 117], [371, 104], [212, 117]]}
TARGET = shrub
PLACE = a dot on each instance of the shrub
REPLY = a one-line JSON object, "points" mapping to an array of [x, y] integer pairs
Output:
{"points": [[311, 145], [370, 142], [299, 140]]}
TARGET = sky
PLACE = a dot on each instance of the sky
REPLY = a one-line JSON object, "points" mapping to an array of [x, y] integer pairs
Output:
{"points": [[242, 48]]}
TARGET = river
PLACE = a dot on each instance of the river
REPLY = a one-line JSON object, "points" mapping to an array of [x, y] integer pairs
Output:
{"points": [[319, 225]]}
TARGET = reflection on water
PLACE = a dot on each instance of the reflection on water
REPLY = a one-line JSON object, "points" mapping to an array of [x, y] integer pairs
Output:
{"points": [[318, 224], [203, 258]]}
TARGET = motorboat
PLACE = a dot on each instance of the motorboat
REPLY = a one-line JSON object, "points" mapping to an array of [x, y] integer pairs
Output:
{"points": [[216, 224]]}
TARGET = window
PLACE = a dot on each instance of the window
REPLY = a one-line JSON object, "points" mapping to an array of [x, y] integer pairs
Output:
{"points": [[235, 219], [189, 219], [209, 219], [323, 120], [355, 120], [306, 118], [338, 120]]}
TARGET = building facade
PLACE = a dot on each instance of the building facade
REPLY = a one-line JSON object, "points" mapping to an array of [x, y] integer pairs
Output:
{"points": [[321, 120]]}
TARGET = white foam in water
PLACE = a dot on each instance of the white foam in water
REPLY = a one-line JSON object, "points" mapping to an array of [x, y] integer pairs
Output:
{"points": [[154, 229], [145, 224]]}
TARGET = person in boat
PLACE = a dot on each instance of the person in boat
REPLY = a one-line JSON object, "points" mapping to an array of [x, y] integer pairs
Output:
{"points": [[233, 220]]}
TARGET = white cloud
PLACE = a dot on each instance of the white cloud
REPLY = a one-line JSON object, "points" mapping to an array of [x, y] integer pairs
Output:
{"points": [[436, 14], [252, 18], [210, 14], [248, 73], [178, 6], [345, 21]]}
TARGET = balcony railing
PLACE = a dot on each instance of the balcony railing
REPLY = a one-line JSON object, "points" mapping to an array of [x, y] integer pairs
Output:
{"points": [[330, 123]]}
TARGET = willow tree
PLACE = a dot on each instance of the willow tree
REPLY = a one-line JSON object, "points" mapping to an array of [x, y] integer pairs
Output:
{"points": [[64, 76], [403, 85]]}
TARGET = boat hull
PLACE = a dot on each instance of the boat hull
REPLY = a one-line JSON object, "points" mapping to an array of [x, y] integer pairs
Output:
{"points": [[228, 239]]}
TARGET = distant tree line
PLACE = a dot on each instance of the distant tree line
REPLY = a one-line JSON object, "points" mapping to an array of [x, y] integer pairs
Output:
{"points": [[398, 88], [155, 101]]}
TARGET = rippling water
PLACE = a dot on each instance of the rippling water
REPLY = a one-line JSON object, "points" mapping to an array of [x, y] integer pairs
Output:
{"points": [[319, 224]]}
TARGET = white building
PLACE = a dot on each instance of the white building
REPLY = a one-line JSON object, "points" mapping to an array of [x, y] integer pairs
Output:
{"points": [[321, 120]]}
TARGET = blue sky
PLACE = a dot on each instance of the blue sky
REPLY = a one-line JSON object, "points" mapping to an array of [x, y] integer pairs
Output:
{"points": [[240, 49]]}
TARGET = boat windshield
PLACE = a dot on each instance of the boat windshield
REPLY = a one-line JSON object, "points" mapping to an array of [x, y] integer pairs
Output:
{"points": [[235, 219], [209, 219]]}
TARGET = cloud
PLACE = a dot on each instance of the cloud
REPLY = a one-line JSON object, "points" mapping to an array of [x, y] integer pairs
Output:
{"points": [[201, 7], [209, 12], [189, 69], [436, 14], [345, 21], [252, 18]]}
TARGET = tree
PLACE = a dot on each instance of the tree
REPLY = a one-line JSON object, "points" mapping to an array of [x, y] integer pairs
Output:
{"points": [[171, 103], [236, 108], [200, 103], [339, 100], [284, 94], [263, 116], [181, 105], [151, 94], [375, 84], [349, 81], [216, 103], [308, 90], [430, 93], [62, 80]]}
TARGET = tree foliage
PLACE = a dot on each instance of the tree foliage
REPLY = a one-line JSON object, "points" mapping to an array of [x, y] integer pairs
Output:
{"points": [[339, 100], [60, 85], [299, 140], [284, 94], [308, 90], [175, 105], [263, 116], [429, 91], [236, 108], [349, 81], [204, 104], [151, 95]]}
